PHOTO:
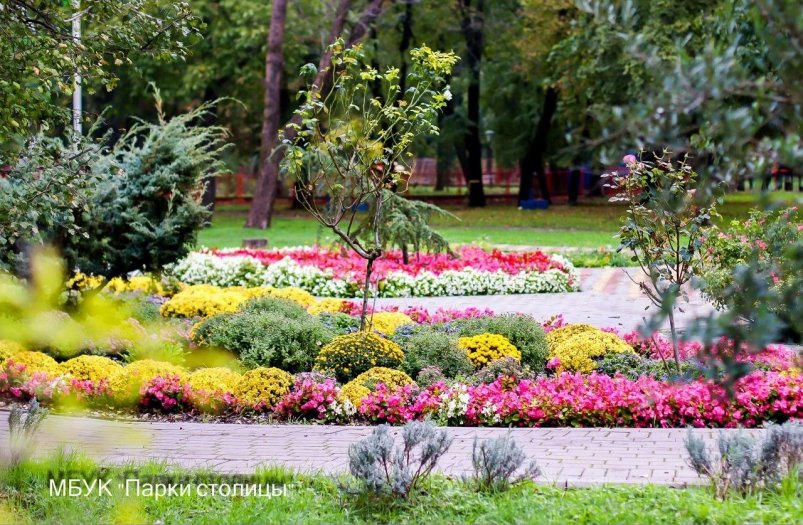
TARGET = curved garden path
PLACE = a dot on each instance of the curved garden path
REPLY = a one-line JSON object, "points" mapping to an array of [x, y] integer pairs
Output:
{"points": [[568, 456], [607, 297]]}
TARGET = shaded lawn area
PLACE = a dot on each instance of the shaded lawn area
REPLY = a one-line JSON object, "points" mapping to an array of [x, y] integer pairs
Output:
{"points": [[590, 224], [26, 497]]}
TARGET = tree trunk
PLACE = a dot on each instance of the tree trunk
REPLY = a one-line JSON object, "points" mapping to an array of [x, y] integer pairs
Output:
{"points": [[472, 27], [366, 294], [533, 160], [322, 83], [262, 206], [404, 44]]}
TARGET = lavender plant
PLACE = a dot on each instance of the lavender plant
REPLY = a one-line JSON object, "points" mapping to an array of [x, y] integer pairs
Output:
{"points": [[23, 424], [496, 462], [383, 469], [746, 464]]}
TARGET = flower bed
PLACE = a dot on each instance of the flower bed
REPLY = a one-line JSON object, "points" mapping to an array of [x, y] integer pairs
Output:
{"points": [[568, 399], [327, 273]]}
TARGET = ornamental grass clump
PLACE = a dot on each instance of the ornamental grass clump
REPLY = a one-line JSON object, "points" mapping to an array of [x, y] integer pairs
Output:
{"points": [[496, 462], [262, 388], [484, 348], [383, 469], [576, 347], [348, 356], [90, 368], [366, 383]]}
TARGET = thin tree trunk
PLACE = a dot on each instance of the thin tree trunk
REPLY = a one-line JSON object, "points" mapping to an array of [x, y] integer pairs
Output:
{"points": [[404, 44], [472, 27], [533, 160], [262, 206], [366, 294], [322, 82], [675, 349]]}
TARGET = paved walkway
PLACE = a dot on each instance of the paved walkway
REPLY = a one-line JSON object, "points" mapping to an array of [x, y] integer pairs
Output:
{"points": [[568, 456], [607, 297]]}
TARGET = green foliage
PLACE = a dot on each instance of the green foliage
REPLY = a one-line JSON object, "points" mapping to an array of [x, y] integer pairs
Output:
{"points": [[427, 347], [145, 211], [405, 223], [316, 500], [668, 212], [44, 195], [633, 366], [766, 242], [267, 339], [339, 323], [504, 367], [524, 332], [38, 55], [352, 145], [275, 305]]}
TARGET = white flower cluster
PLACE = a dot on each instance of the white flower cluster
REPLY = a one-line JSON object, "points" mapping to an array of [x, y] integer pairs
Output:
{"points": [[476, 282], [207, 268], [453, 406]]}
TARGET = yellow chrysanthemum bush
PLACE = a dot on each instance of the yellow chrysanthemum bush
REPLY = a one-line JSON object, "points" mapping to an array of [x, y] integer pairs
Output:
{"points": [[302, 297], [26, 363], [349, 355], [9, 348], [365, 383], [329, 305], [577, 346], [203, 300], [209, 387], [484, 348], [126, 383], [90, 368], [82, 281], [262, 388], [387, 322], [139, 283]]}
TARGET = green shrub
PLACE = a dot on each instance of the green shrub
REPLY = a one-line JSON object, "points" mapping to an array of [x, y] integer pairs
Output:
{"points": [[140, 307], [275, 305], [266, 339], [340, 323], [506, 366], [524, 332], [427, 347], [633, 366]]}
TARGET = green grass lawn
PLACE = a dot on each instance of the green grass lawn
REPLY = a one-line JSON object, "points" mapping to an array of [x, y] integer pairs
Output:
{"points": [[591, 224], [25, 497]]}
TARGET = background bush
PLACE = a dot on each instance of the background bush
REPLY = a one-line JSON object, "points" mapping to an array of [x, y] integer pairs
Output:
{"points": [[275, 305], [524, 332], [427, 347], [266, 338]]}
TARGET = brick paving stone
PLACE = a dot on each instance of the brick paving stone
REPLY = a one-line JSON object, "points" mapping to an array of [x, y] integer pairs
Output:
{"points": [[607, 297], [574, 457]]}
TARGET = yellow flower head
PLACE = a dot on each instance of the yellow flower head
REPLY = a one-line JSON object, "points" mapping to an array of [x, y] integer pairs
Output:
{"points": [[484, 348]]}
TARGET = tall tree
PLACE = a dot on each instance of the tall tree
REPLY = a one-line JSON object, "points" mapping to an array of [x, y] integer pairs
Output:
{"points": [[532, 163], [258, 215], [471, 26], [265, 193]]}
